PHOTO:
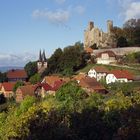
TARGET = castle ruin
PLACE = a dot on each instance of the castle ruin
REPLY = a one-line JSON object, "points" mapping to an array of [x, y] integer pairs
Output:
{"points": [[95, 36]]}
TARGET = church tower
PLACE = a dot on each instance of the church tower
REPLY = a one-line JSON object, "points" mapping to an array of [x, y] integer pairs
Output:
{"points": [[42, 62]]}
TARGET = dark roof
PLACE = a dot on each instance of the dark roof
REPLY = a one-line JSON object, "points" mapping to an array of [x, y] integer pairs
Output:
{"points": [[16, 74], [110, 53], [42, 56]]}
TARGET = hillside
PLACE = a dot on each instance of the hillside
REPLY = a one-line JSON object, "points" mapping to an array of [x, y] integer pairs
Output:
{"points": [[135, 70], [72, 115]]}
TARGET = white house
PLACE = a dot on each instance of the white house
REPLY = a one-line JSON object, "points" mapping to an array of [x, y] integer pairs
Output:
{"points": [[98, 72], [119, 76], [106, 57]]}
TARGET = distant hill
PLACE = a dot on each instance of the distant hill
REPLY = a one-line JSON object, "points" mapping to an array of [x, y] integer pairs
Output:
{"points": [[6, 68]]}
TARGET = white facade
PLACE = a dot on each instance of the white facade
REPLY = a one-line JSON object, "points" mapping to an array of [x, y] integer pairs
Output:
{"points": [[110, 78], [97, 75], [105, 59], [92, 73]]}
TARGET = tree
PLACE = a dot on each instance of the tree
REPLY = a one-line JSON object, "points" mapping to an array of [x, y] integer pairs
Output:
{"points": [[35, 78], [31, 68], [132, 31], [122, 42], [68, 60], [70, 95], [3, 77], [18, 84], [2, 99]]}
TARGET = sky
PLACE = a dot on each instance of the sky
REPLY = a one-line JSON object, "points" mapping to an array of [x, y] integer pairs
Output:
{"points": [[26, 26]]}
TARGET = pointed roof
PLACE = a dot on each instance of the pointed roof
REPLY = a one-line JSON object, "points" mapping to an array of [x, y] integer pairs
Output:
{"points": [[44, 56], [40, 56]]}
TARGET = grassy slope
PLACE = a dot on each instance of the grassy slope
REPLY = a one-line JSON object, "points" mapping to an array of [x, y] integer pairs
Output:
{"points": [[89, 66]]}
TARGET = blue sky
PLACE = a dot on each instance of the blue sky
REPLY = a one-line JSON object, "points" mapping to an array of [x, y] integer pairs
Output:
{"points": [[26, 26]]}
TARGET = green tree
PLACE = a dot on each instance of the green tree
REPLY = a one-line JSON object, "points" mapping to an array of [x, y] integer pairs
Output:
{"points": [[122, 42], [71, 95], [35, 78], [31, 68], [3, 77], [18, 84]]}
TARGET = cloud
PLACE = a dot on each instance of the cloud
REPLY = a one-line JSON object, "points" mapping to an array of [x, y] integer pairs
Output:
{"points": [[133, 11], [16, 60], [58, 17], [128, 8], [80, 9]]}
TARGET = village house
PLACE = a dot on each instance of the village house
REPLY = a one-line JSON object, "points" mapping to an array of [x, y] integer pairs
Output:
{"points": [[91, 85], [79, 77], [16, 75], [23, 91], [53, 78], [119, 76], [106, 57], [98, 72], [43, 89], [7, 89]]}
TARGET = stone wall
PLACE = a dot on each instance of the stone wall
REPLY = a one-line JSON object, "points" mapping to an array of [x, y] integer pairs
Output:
{"points": [[119, 51], [93, 35]]}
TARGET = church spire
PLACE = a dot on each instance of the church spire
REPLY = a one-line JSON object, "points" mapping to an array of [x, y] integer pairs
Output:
{"points": [[40, 56], [44, 56]]}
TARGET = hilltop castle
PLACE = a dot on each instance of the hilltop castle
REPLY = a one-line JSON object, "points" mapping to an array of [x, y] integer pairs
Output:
{"points": [[42, 62], [95, 36]]}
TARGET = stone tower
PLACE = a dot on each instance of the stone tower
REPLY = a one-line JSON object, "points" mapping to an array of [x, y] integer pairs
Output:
{"points": [[95, 36], [91, 25], [109, 26], [42, 62]]}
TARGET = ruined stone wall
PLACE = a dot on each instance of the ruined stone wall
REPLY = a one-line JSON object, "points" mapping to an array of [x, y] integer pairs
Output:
{"points": [[93, 35]]}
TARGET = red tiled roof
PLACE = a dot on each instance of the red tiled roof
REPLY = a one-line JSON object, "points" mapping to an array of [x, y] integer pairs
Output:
{"points": [[46, 86], [122, 74], [91, 83], [57, 85], [51, 79], [27, 90], [100, 69], [110, 53], [8, 86], [17, 74]]}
